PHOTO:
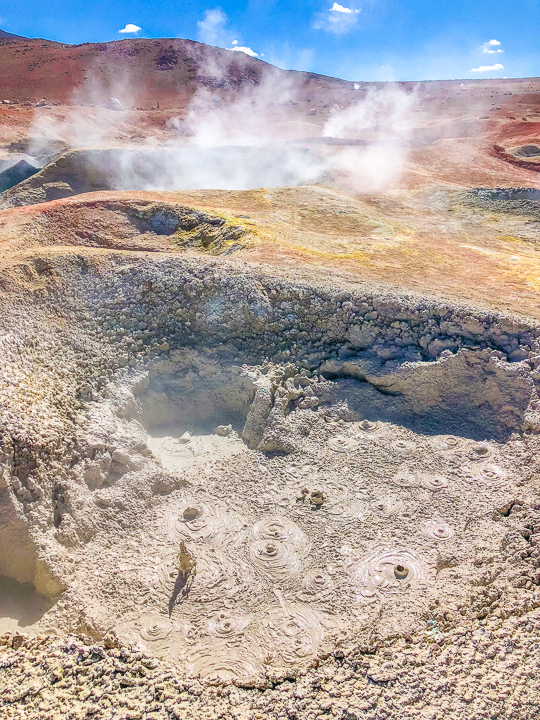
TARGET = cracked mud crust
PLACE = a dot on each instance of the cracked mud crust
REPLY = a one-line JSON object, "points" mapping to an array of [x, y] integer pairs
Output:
{"points": [[487, 668]]}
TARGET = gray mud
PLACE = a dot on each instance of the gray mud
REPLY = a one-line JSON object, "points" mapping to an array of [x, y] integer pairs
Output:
{"points": [[243, 478], [527, 151]]}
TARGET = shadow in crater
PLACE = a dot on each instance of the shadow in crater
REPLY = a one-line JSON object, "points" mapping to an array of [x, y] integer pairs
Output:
{"points": [[20, 605], [187, 568], [181, 590]]}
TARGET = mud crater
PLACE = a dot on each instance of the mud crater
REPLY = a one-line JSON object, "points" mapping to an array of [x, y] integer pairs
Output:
{"points": [[243, 517]]}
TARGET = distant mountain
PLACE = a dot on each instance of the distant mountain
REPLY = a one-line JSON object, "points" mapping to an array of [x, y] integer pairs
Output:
{"points": [[5, 35], [140, 72]]}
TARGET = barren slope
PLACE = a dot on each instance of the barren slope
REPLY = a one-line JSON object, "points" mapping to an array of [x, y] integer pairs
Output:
{"points": [[470, 247], [139, 71]]}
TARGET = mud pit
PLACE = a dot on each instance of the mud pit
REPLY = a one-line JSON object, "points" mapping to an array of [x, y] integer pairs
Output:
{"points": [[329, 517], [243, 477], [167, 168]]}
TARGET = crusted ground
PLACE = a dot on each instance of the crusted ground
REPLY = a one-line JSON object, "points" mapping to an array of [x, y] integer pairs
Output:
{"points": [[238, 477], [462, 245]]}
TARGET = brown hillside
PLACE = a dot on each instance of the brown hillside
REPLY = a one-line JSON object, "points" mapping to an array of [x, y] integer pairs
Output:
{"points": [[138, 71]]}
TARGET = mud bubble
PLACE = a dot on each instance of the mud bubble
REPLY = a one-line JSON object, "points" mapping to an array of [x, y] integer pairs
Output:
{"points": [[388, 571], [342, 444], [438, 530]]}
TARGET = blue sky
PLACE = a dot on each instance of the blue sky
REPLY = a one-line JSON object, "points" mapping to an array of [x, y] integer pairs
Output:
{"points": [[360, 40]]}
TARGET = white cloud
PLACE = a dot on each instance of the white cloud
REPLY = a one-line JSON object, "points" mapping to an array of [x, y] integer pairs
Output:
{"points": [[488, 46], [212, 28], [246, 50], [235, 42], [338, 19], [336, 7], [487, 68], [130, 29]]}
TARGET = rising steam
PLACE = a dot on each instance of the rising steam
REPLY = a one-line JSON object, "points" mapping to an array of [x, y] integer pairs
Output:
{"points": [[382, 120], [246, 143]]}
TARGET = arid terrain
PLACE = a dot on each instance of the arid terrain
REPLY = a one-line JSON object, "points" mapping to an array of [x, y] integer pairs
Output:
{"points": [[269, 393]]}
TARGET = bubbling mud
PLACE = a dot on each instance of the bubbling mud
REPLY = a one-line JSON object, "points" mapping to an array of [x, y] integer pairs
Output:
{"points": [[485, 474], [226, 625], [200, 522], [296, 632], [224, 662], [278, 547], [368, 430], [405, 478], [155, 633], [480, 451], [282, 529], [346, 510], [388, 506], [317, 585], [368, 427], [404, 447], [435, 482], [156, 629], [445, 442], [342, 444]]}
